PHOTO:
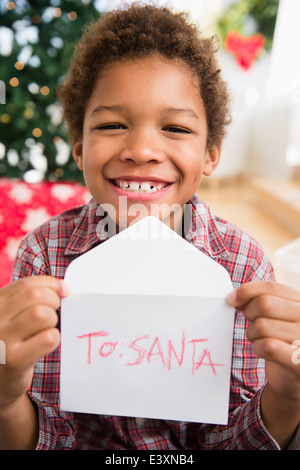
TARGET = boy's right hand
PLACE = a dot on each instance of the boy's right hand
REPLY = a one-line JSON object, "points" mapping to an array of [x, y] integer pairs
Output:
{"points": [[28, 322]]}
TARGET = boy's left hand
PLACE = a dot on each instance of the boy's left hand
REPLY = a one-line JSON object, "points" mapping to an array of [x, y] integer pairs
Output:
{"points": [[274, 314]]}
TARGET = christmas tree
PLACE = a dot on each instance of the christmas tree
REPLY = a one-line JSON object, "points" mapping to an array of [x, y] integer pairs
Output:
{"points": [[33, 138]]}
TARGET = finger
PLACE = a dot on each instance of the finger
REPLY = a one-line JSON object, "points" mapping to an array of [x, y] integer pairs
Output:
{"points": [[27, 353], [276, 351], [21, 285], [269, 306], [264, 327], [240, 297], [32, 321], [33, 297]]}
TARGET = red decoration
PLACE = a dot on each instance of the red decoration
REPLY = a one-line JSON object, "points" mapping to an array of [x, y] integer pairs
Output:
{"points": [[245, 50], [24, 206]]}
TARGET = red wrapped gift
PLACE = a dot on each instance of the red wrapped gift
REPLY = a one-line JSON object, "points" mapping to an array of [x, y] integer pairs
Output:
{"points": [[24, 206]]}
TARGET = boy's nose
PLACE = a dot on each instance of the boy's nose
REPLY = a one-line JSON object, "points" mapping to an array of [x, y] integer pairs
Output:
{"points": [[142, 148]]}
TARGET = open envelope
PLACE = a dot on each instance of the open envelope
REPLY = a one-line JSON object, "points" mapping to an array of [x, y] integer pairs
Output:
{"points": [[146, 331]]}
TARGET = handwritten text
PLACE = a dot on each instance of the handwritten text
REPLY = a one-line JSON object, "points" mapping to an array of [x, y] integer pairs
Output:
{"points": [[144, 349]]}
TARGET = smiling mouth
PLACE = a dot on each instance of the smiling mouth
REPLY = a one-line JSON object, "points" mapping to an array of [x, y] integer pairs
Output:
{"points": [[141, 187]]}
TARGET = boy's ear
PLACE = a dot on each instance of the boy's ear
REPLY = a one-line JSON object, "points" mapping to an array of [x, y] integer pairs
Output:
{"points": [[211, 160], [77, 154]]}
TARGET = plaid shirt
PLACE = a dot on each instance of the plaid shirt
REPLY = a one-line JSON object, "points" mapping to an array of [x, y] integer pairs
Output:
{"points": [[51, 247]]}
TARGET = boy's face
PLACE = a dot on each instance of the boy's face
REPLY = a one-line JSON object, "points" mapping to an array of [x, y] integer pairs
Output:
{"points": [[144, 138]]}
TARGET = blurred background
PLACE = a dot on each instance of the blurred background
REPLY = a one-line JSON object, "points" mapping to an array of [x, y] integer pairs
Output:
{"points": [[257, 184]]}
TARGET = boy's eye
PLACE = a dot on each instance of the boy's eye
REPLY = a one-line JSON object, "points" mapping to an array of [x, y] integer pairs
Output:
{"points": [[111, 126], [177, 130]]}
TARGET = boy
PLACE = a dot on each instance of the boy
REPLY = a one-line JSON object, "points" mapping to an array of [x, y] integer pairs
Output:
{"points": [[147, 111]]}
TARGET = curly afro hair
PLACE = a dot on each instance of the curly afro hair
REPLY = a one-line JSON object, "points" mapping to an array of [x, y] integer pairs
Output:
{"points": [[138, 31]]}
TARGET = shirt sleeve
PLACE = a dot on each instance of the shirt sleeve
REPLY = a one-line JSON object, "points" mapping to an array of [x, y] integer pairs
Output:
{"points": [[55, 427], [245, 430]]}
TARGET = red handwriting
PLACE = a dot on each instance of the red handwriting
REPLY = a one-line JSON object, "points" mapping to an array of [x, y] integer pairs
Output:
{"points": [[90, 336], [145, 349]]}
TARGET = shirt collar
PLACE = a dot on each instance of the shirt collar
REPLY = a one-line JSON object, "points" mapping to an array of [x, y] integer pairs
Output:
{"points": [[202, 230], [89, 230]]}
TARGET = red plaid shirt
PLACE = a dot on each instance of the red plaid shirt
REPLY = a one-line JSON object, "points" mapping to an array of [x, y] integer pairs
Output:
{"points": [[50, 248]]}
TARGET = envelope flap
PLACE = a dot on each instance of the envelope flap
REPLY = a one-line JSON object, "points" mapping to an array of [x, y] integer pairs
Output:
{"points": [[151, 259]]}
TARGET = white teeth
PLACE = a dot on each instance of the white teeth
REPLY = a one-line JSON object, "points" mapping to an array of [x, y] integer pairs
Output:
{"points": [[123, 185], [136, 187], [145, 187]]}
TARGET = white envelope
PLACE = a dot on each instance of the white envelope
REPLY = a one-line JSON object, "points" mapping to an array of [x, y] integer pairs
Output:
{"points": [[146, 331]]}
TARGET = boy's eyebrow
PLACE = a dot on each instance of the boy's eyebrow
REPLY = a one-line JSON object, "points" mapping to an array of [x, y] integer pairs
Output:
{"points": [[188, 111], [173, 110], [106, 108]]}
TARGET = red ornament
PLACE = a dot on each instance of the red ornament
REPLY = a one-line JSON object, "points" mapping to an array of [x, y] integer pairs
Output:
{"points": [[245, 50]]}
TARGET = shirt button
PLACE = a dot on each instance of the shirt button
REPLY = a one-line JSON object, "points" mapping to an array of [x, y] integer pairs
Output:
{"points": [[139, 422]]}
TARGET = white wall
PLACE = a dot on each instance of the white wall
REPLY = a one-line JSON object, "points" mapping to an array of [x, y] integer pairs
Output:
{"points": [[265, 136]]}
